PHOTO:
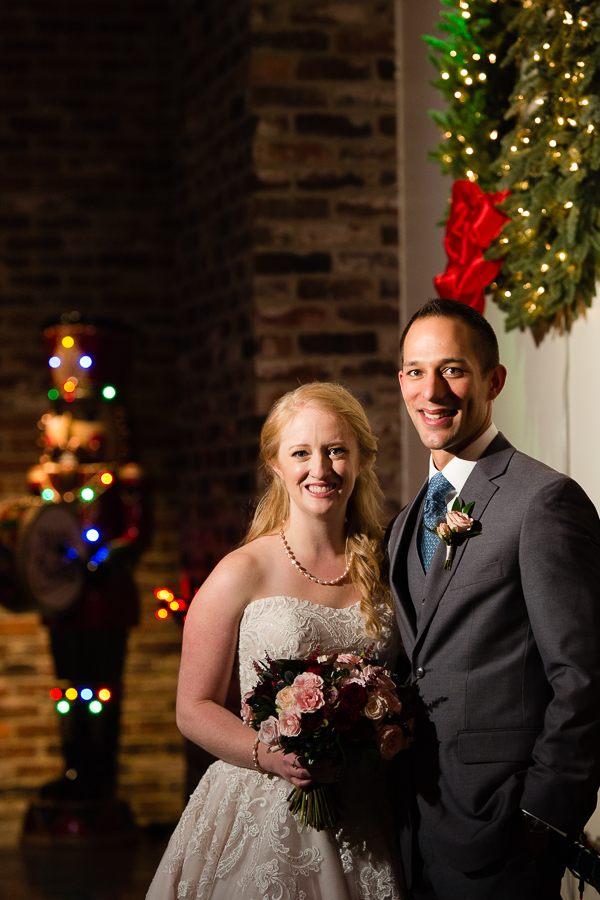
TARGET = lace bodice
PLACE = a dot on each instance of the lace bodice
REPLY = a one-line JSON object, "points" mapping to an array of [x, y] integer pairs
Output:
{"points": [[291, 628]]}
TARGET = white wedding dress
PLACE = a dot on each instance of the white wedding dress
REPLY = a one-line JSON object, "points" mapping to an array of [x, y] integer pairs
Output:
{"points": [[237, 840]]}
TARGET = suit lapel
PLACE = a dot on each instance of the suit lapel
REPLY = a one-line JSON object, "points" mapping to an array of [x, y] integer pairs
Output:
{"points": [[480, 488], [399, 549]]}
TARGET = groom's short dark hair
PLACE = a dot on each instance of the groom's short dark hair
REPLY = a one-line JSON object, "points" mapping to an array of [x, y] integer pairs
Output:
{"points": [[486, 347]]}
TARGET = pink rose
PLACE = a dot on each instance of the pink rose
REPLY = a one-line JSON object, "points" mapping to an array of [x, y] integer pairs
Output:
{"points": [[345, 660], [286, 698], [391, 699], [309, 699], [376, 707], [390, 741], [444, 531], [308, 680], [289, 723], [459, 522], [246, 713], [269, 732]]}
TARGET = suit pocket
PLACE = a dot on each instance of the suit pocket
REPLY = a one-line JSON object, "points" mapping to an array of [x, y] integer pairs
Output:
{"points": [[496, 745], [486, 572]]}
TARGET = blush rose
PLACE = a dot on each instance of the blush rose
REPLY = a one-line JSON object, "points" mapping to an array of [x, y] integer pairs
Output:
{"points": [[289, 723], [268, 732], [390, 741], [459, 522]]}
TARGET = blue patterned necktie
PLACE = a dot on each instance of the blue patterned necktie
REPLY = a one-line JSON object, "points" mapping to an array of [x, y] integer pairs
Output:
{"points": [[434, 509]]}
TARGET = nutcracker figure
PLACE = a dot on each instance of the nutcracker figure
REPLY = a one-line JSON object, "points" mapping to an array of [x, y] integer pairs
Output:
{"points": [[69, 551]]}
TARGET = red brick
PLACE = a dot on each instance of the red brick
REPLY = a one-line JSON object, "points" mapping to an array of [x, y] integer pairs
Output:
{"points": [[327, 181], [329, 13], [275, 345], [294, 372], [302, 152], [329, 125], [361, 41], [301, 208], [389, 234], [343, 343], [293, 318], [270, 126], [291, 40], [282, 95], [387, 125], [279, 263], [370, 315], [372, 367], [365, 207], [331, 68], [269, 69]]}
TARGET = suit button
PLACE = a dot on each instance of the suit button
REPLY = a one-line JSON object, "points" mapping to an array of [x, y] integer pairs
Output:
{"points": [[420, 672]]}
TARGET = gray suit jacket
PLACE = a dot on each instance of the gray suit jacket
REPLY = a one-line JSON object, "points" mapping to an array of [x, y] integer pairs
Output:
{"points": [[505, 653]]}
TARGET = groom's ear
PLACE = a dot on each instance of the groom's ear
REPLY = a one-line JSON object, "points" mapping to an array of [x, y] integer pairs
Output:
{"points": [[497, 380]]}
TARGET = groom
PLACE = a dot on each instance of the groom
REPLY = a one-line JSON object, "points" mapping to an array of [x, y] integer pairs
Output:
{"points": [[504, 646]]}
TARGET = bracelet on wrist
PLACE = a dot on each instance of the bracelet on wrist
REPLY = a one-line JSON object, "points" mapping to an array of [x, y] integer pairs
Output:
{"points": [[257, 765]]}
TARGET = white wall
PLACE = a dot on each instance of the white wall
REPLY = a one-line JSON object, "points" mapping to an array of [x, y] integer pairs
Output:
{"points": [[548, 408]]}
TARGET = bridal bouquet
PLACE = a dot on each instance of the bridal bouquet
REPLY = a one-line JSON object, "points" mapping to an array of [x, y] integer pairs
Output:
{"points": [[325, 708]]}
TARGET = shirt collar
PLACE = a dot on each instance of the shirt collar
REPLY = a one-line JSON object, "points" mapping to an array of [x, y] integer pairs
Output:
{"points": [[460, 467]]}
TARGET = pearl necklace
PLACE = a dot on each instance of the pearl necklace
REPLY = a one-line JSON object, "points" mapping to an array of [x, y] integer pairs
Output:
{"points": [[306, 574]]}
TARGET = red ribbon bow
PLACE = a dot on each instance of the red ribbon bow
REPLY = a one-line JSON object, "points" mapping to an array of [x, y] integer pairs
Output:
{"points": [[472, 225]]}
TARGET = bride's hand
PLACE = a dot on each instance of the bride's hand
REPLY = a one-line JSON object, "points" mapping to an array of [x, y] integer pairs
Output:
{"points": [[289, 766]]}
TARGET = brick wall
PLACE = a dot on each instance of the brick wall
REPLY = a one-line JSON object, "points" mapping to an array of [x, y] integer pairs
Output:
{"points": [[86, 180], [288, 242], [326, 265], [214, 256]]}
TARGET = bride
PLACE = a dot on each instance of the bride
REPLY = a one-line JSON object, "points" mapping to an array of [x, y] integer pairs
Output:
{"points": [[307, 576]]}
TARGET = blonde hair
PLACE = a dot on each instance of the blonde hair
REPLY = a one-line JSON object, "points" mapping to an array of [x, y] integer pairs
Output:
{"points": [[363, 516]]}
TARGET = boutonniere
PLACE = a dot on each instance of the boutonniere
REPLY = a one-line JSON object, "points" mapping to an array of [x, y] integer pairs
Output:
{"points": [[458, 524]]}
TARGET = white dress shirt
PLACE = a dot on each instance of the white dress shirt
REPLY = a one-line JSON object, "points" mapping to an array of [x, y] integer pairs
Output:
{"points": [[460, 467]]}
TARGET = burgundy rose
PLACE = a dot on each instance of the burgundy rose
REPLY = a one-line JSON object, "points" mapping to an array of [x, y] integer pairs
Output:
{"points": [[327, 711], [311, 721], [317, 668], [353, 695], [345, 718]]}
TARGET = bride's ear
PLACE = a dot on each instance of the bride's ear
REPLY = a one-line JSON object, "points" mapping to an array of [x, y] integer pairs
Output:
{"points": [[275, 469]]}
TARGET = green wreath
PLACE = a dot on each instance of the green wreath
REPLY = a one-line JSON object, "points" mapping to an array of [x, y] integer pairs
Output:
{"points": [[538, 98]]}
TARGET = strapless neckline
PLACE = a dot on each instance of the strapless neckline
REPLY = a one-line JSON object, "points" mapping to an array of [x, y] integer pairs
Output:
{"points": [[300, 600]]}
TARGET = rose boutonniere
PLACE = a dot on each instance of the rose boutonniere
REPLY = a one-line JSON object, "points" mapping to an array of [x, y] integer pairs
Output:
{"points": [[458, 523]]}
